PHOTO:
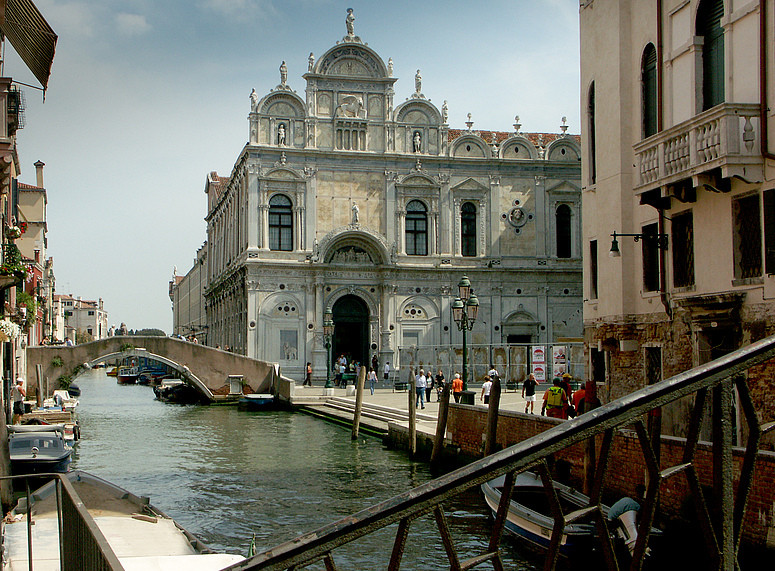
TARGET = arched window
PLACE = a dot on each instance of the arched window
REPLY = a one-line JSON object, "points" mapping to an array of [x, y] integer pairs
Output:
{"points": [[591, 135], [648, 77], [280, 223], [709, 16], [468, 229], [416, 229], [563, 231]]}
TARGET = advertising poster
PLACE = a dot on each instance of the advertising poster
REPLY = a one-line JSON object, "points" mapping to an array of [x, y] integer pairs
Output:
{"points": [[559, 361], [538, 362]]}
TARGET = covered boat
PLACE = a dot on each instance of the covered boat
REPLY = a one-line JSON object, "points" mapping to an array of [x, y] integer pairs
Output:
{"points": [[529, 516], [38, 449], [257, 401], [140, 535], [127, 375]]}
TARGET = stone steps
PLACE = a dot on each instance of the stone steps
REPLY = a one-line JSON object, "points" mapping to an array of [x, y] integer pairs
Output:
{"points": [[375, 411]]}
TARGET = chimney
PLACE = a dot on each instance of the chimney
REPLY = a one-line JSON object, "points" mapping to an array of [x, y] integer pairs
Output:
{"points": [[39, 173]]}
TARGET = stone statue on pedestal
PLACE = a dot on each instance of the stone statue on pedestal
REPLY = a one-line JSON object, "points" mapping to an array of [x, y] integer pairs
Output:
{"points": [[350, 22]]}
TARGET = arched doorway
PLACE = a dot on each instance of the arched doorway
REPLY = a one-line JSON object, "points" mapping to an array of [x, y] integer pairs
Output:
{"points": [[351, 329]]}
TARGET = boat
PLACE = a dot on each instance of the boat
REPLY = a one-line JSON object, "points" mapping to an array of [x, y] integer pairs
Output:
{"points": [[38, 449], [70, 428], [140, 535], [177, 391], [127, 375], [112, 371], [74, 390], [529, 516], [257, 401], [68, 402]]}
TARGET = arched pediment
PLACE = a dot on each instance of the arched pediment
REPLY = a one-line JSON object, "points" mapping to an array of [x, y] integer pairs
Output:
{"points": [[564, 186], [520, 317], [352, 245], [518, 147], [563, 149], [418, 307], [282, 104], [281, 304], [283, 173], [417, 179], [470, 146], [351, 60], [418, 112]]}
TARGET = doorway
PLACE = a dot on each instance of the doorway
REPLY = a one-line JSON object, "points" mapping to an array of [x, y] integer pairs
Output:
{"points": [[351, 329]]}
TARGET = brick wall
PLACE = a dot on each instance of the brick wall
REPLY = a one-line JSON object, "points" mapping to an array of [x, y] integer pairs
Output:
{"points": [[467, 425]]}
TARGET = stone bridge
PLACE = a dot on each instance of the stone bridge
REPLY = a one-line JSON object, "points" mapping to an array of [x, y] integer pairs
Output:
{"points": [[205, 368]]}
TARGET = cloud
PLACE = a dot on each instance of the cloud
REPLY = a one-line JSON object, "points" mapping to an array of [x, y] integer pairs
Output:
{"points": [[244, 10], [132, 24]]}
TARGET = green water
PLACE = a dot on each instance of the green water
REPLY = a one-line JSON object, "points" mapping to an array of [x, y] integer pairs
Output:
{"points": [[226, 475]]}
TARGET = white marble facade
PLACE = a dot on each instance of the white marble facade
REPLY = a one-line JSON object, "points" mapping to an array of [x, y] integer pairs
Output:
{"points": [[341, 198]]}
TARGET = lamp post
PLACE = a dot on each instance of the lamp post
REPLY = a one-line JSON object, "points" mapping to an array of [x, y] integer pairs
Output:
{"points": [[464, 311], [328, 331]]}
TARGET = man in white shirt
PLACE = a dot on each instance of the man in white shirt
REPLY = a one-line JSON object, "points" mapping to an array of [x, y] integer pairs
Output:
{"points": [[420, 383], [387, 371], [486, 388]]}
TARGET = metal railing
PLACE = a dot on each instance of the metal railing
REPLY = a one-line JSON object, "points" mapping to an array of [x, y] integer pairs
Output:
{"points": [[722, 534], [82, 546]]}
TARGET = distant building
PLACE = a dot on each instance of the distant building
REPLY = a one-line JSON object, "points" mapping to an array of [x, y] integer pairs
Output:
{"points": [[342, 199], [82, 315], [678, 98], [187, 296]]}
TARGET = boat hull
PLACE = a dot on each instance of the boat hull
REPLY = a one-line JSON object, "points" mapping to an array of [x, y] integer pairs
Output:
{"points": [[257, 402]]}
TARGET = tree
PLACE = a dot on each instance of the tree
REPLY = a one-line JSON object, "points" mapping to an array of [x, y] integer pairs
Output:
{"points": [[82, 336], [150, 332]]}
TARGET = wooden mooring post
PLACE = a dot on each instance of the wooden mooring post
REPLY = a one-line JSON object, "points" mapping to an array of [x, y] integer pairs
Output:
{"points": [[412, 413], [492, 417], [359, 381], [441, 424]]}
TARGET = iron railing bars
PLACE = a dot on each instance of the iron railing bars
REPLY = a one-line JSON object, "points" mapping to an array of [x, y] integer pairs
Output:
{"points": [[425, 497], [60, 519], [749, 459], [446, 538], [652, 493], [29, 522], [402, 533], [503, 510], [559, 520], [723, 470]]}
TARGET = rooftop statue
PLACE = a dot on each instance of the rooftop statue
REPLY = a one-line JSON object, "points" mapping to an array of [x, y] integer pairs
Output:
{"points": [[310, 61], [445, 113], [390, 67], [283, 73], [350, 22], [418, 82], [253, 100]]}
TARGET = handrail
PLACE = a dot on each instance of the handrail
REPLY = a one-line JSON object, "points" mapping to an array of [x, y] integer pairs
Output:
{"points": [[82, 545], [428, 497]]}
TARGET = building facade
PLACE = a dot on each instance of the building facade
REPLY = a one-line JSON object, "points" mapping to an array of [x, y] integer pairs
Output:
{"points": [[342, 199], [81, 317], [189, 318], [678, 163]]}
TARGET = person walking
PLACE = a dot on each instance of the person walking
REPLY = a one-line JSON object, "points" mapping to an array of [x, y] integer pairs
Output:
{"points": [[308, 375], [429, 384], [439, 385], [555, 401], [457, 387], [420, 384], [486, 388], [372, 379], [529, 393], [17, 396], [374, 362], [387, 372]]}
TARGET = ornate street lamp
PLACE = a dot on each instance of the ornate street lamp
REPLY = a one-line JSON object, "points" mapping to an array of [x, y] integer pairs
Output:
{"points": [[328, 332], [464, 311]]}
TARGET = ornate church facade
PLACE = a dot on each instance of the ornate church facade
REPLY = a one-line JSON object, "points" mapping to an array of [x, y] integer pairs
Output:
{"points": [[342, 199]]}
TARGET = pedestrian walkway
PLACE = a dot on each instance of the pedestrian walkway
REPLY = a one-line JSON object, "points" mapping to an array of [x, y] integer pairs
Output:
{"points": [[342, 405]]}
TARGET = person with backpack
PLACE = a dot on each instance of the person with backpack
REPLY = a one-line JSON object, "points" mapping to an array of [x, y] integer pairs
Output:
{"points": [[555, 401]]}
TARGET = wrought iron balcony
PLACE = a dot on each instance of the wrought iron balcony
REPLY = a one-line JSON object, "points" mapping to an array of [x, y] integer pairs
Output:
{"points": [[725, 137]]}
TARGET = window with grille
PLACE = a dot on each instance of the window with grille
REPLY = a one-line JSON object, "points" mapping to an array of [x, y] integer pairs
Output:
{"points": [[748, 237], [769, 230], [593, 269], [683, 250], [416, 229], [563, 231], [653, 365], [649, 87], [468, 229], [280, 223], [650, 255], [709, 27]]}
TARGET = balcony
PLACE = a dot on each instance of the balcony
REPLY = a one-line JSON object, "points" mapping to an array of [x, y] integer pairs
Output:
{"points": [[726, 137]]}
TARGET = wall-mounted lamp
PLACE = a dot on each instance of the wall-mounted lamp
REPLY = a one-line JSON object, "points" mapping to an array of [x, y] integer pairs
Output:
{"points": [[658, 240]]}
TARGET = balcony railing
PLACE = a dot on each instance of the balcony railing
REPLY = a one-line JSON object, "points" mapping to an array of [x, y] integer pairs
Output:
{"points": [[725, 137]]}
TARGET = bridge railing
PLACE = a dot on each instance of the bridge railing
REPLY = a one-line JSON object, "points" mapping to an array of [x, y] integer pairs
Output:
{"points": [[722, 535]]}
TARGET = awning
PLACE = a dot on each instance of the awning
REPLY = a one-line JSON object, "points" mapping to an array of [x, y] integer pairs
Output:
{"points": [[30, 35]]}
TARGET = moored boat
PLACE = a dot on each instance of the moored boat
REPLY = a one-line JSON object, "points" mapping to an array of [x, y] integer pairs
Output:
{"points": [[140, 535], [112, 371], [38, 449], [529, 516], [257, 401], [127, 375]]}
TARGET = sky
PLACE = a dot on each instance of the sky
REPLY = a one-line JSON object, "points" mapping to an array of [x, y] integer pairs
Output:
{"points": [[147, 96]]}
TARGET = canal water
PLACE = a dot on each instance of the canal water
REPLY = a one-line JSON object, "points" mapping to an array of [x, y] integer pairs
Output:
{"points": [[227, 475]]}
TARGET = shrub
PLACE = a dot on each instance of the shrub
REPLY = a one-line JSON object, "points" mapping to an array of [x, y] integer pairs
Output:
{"points": [[57, 361]]}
